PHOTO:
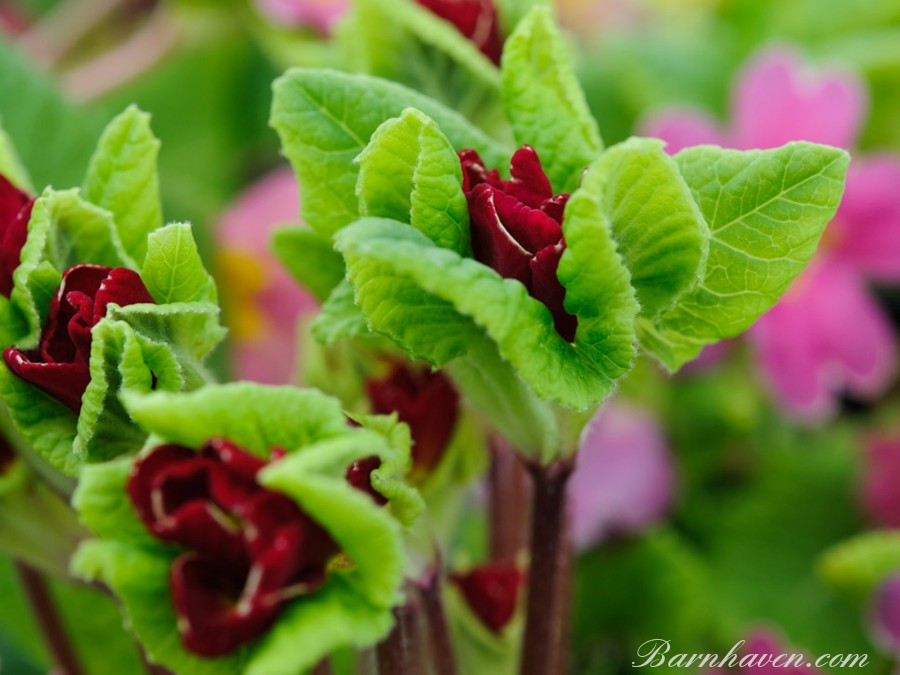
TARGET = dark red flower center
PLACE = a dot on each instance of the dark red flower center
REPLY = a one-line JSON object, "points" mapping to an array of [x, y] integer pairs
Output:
{"points": [[516, 228], [249, 550], [491, 592], [60, 364], [476, 19], [427, 402], [15, 212]]}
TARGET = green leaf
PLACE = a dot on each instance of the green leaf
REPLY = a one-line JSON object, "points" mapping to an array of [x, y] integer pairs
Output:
{"points": [[437, 305], [122, 178], [11, 166], [255, 417], [173, 270], [325, 120], [409, 172], [857, 566], [766, 211], [661, 235], [140, 578], [340, 318], [545, 103], [310, 258], [406, 43], [64, 230]]}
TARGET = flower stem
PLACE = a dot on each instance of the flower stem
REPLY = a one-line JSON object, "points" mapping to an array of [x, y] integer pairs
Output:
{"points": [[48, 619], [323, 668], [443, 658], [546, 624], [508, 495], [399, 653]]}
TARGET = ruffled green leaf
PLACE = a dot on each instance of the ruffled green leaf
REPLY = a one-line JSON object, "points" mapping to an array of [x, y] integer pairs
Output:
{"points": [[661, 235], [325, 120], [310, 258], [173, 270], [409, 172], [859, 565], [122, 178], [255, 417], [545, 103], [401, 41], [340, 318], [11, 166], [437, 305], [64, 230], [766, 210], [140, 578]]}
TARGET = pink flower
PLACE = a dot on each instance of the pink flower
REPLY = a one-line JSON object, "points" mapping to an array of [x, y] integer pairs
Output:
{"points": [[880, 476], [262, 302], [321, 15], [624, 479], [885, 615], [758, 653], [828, 335]]}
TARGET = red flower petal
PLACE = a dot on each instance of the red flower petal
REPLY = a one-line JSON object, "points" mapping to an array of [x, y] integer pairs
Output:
{"points": [[359, 475], [529, 182], [122, 287], [476, 19], [65, 382], [145, 474], [546, 288], [492, 591], [15, 212], [56, 343], [492, 244], [532, 228]]}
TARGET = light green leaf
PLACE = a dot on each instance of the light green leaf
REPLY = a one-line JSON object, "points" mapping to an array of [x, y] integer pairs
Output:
{"points": [[255, 417], [122, 178], [340, 318], [64, 230], [403, 42], [437, 305], [11, 166], [766, 210], [545, 103], [409, 172], [326, 118], [140, 578], [310, 258], [660, 233], [857, 566], [173, 270]]}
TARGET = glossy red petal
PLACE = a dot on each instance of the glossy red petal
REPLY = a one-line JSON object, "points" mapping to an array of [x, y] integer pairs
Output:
{"points": [[238, 460], [15, 212], [547, 288], [359, 475], [491, 592], [122, 287], [476, 19], [145, 474], [65, 382], [529, 183], [532, 229], [56, 344], [492, 244]]}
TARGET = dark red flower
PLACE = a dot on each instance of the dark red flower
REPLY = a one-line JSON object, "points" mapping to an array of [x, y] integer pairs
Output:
{"points": [[359, 475], [491, 592], [427, 402], [59, 365], [249, 550], [15, 212], [476, 19], [517, 227]]}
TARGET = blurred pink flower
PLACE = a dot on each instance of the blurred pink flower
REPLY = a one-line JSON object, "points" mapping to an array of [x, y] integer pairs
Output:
{"points": [[624, 479], [261, 300], [885, 615], [322, 15], [764, 642], [828, 335], [880, 477]]}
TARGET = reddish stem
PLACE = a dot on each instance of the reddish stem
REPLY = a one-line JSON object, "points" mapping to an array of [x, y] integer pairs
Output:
{"points": [[443, 658], [400, 652], [47, 616], [508, 495], [546, 623]]}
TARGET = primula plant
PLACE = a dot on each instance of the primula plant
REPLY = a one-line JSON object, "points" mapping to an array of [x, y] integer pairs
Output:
{"points": [[536, 292], [481, 274]]}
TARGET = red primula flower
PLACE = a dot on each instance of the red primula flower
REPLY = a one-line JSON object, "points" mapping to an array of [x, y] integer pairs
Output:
{"points": [[424, 400], [60, 364], [517, 227], [491, 592], [15, 212], [249, 550], [476, 19]]}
